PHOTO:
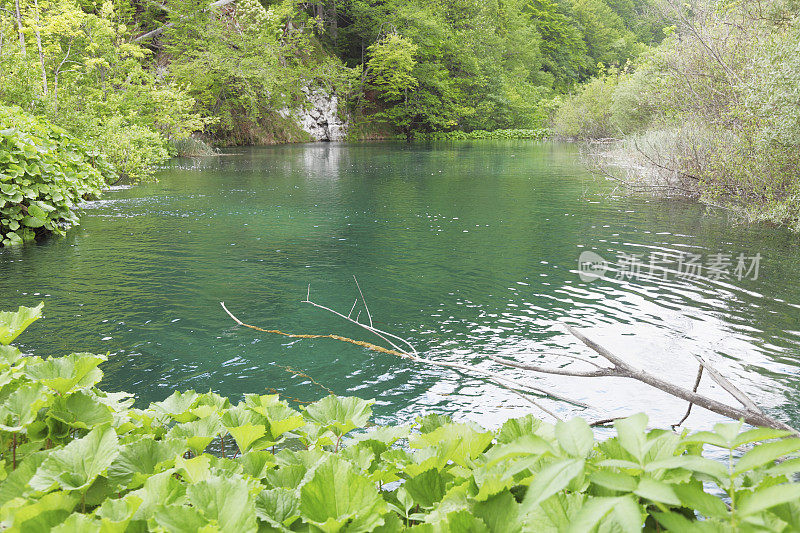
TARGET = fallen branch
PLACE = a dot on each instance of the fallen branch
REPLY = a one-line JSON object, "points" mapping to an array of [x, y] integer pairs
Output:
{"points": [[751, 415], [749, 412]]}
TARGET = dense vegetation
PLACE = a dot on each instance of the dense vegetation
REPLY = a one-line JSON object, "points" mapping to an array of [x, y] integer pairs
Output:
{"points": [[77, 458], [44, 174], [712, 111], [144, 75]]}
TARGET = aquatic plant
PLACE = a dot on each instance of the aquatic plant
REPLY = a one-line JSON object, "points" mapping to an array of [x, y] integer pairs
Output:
{"points": [[77, 458]]}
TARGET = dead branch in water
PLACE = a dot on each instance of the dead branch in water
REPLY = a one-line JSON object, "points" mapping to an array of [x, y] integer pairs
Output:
{"points": [[749, 412]]}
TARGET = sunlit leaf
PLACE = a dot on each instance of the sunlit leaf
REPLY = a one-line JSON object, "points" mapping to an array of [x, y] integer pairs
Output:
{"points": [[80, 410], [140, 459], [550, 480], [13, 323], [78, 464], [766, 453], [766, 498], [226, 501], [336, 494], [278, 507], [65, 374], [340, 414], [575, 437]]}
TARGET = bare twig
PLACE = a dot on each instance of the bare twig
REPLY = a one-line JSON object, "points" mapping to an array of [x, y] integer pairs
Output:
{"points": [[694, 389], [720, 380], [363, 300]]}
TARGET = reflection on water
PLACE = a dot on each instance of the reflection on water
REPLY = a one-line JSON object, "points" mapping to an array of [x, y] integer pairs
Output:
{"points": [[466, 249]]}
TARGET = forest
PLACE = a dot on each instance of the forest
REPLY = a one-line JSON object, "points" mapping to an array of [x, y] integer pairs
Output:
{"points": [[141, 77]]}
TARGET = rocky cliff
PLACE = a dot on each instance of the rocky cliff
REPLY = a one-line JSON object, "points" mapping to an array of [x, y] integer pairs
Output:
{"points": [[320, 118]]}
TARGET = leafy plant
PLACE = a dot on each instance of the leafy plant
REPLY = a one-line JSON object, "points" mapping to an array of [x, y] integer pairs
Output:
{"points": [[76, 458], [44, 175]]}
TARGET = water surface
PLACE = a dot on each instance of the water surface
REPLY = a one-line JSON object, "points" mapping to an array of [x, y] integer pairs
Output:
{"points": [[466, 249]]}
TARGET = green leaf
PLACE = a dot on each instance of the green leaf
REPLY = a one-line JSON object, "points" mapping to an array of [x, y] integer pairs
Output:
{"points": [[766, 453], [614, 480], [226, 501], [195, 469], [623, 511], [432, 421], [12, 323], [336, 494], [247, 435], [693, 496], [278, 507], [45, 513], [631, 434], [140, 459], [500, 513], [760, 434], [280, 419], [177, 519], [37, 212], [657, 491], [673, 521], [178, 406], [515, 428], [550, 480], [21, 407], [340, 414], [459, 443], [78, 522], [255, 464], [16, 484], [33, 222], [575, 437], [80, 410], [65, 374], [427, 488], [159, 489], [695, 463], [77, 465], [765, 498], [199, 433]]}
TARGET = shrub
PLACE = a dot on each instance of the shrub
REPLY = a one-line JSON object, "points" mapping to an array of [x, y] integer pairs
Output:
{"points": [[190, 147], [587, 114], [134, 150], [76, 458], [44, 174]]}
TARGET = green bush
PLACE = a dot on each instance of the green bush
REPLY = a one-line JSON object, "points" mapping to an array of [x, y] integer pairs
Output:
{"points": [[134, 150], [587, 114], [190, 147], [44, 175], [76, 458]]}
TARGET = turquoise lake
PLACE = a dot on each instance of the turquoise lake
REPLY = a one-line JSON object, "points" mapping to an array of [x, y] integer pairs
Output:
{"points": [[465, 249]]}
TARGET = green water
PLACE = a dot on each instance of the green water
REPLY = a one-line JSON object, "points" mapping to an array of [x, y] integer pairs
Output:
{"points": [[465, 249]]}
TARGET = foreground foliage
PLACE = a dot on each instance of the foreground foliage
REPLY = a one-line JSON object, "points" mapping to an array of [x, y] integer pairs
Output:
{"points": [[76, 458], [44, 174]]}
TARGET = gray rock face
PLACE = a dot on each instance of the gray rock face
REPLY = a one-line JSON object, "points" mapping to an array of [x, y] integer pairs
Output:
{"points": [[321, 120]]}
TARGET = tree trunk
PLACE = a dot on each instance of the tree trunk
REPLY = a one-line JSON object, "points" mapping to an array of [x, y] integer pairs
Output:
{"points": [[39, 45], [19, 29]]}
